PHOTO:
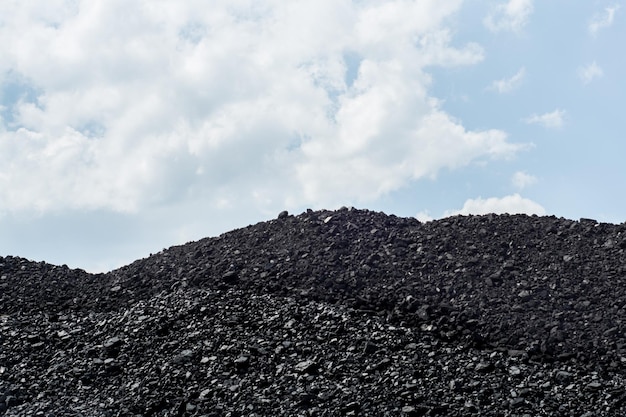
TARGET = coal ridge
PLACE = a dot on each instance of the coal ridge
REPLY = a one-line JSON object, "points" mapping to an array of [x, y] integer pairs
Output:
{"points": [[346, 312]]}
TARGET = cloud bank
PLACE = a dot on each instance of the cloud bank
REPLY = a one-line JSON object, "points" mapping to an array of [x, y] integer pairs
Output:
{"points": [[511, 204], [125, 105], [590, 72], [603, 20], [510, 16], [522, 180], [506, 85], [551, 120]]}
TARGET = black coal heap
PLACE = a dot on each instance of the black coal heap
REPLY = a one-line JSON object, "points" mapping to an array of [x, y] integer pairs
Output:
{"points": [[329, 313]]}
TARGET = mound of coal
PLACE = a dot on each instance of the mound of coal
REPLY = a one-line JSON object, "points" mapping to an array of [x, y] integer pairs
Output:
{"points": [[347, 312]]}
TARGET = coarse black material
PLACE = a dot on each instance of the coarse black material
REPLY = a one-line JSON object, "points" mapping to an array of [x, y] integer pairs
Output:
{"points": [[329, 313]]}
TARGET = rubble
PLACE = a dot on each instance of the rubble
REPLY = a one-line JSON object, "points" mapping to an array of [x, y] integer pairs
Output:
{"points": [[346, 312]]}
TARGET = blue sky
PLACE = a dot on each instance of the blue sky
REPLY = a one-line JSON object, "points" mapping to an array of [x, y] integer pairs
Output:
{"points": [[130, 126]]}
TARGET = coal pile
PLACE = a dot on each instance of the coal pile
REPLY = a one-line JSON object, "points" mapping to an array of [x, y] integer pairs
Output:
{"points": [[329, 313]]}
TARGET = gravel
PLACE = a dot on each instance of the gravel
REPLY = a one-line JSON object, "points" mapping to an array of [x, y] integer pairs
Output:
{"points": [[329, 313]]}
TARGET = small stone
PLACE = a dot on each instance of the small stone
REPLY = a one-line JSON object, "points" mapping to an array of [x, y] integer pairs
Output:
{"points": [[370, 347], [112, 366], [283, 214], [484, 367], [422, 313], [611, 332], [183, 356], [306, 367], [326, 395], [563, 376], [112, 343], [230, 277], [242, 362], [352, 407], [11, 401], [514, 371], [514, 353], [428, 327], [205, 393], [470, 406], [305, 399], [384, 363], [594, 385]]}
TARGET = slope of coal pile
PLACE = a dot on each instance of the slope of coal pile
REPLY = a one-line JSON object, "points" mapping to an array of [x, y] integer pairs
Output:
{"points": [[347, 312]]}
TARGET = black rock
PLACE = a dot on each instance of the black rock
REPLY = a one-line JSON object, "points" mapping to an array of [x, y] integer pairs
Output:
{"points": [[230, 277], [370, 347], [308, 367], [112, 343], [242, 362], [484, 367]]}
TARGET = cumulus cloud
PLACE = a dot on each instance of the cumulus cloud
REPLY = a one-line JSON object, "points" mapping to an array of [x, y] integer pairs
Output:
{"points": [[551, 120], [603, 20], [590, 72], [510, 16], [267, 104], [511, 204], [424, 216], [522, 180], [506, 85]]}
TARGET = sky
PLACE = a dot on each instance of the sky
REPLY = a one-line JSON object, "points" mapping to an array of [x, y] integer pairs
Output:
{"points": [[129, 126]]}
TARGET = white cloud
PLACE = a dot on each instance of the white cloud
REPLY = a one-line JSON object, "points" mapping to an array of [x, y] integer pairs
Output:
{"points": [[590, 72], [604, 20], [144, 104], [552, 120], [510, 16], [506, 85], [522, 180], [511, 204], [424, 216]]}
